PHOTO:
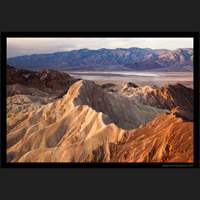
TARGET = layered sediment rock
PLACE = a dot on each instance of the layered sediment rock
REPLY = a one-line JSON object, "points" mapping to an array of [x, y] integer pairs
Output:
{"points": [[170, 97], [89, 124]]}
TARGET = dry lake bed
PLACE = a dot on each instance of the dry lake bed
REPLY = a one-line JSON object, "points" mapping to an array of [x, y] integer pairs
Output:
{"points": [[140, 78]]}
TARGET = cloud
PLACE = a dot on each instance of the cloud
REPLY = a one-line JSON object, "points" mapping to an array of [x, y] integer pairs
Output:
{"points": [[24, 46]]}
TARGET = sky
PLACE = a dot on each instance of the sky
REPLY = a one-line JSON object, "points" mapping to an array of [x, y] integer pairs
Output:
{"points": [[28, 46]]}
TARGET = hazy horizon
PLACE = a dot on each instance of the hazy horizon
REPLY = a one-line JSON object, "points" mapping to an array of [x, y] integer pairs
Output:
{"points": [[29, 46]]}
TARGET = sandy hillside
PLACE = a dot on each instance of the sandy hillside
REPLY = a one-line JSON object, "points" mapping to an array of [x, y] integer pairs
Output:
{"points": [[85, 122]]}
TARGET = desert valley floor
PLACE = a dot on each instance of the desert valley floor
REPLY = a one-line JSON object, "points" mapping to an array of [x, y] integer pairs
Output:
{"points": [[141, 78], [54, 116]]}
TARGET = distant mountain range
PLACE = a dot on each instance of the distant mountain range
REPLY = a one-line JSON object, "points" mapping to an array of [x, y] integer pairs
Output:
{"points": [[139, 59]]}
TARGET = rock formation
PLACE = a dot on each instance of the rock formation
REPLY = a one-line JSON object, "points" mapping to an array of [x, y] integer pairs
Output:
{"points": [[168, 97], [80, 121], [49, 81], [164, 139]]}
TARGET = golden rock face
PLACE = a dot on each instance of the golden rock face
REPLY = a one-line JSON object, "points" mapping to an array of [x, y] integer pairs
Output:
{"points": [[89, 124]]}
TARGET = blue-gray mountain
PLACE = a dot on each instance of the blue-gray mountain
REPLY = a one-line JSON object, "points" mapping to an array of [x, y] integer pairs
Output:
{"points": [[110, 60]]}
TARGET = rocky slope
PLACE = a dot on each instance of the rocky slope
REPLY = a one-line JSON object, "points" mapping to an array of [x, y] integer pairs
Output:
{"points": [[164, 139], [110, 59], [49, 81], [86, 111], [29, 90], [125, 112], [176, 98], [90, 124]]}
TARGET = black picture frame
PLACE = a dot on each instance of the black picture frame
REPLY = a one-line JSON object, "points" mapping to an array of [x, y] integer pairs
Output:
{"points": [[194, 35]]}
